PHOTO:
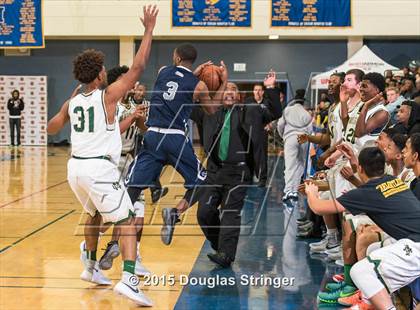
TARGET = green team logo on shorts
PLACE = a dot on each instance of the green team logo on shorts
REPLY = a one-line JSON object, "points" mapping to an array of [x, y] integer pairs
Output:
{"points": [[116, 185]]}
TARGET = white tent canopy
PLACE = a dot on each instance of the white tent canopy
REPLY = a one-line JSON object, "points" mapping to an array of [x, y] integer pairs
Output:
{"points": [[363, 59]]}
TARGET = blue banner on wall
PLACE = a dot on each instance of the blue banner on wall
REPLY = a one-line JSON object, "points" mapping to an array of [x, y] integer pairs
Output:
{"points": [[311, 13], [21, 24], [211, 13]]}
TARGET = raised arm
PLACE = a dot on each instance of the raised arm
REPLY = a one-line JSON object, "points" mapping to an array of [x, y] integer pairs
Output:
{"points": [[272, 99], [117, 90], [379, 119], [138, 116], [322, 139], [201, 92], [126, 122], [59, 120], [344, 111]]}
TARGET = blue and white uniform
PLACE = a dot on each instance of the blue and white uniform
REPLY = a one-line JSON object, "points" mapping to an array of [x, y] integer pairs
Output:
{"points": [[166, 142]]}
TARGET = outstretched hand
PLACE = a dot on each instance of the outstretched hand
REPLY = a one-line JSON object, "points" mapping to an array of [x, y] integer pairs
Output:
{"points": [[311, 189], [303, 138], [378, 98], [148, 20], [270, 79], [344, 94], [223, 72], [330, 161], [140, 111], [200, 68], [348, 152]]}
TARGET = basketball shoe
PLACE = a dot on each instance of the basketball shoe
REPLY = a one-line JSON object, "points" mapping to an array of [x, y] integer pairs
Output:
{"points": [[111, 252], [128, 287], [93, 274]]}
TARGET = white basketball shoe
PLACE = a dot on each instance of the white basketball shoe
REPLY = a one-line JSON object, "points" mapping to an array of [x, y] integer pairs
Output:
{"points": [[128, 287]]}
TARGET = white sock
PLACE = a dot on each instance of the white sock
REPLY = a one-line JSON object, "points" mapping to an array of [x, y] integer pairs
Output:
{"points": [[138, 249], [332, 231]]}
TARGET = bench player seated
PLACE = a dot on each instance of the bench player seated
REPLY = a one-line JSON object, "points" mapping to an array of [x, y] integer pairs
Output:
{"points": [[362, 232], [394, 208]]}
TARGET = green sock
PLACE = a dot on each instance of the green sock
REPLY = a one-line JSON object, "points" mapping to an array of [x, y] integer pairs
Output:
{"points": [[129, 266], [347, 277], [91, 255]]}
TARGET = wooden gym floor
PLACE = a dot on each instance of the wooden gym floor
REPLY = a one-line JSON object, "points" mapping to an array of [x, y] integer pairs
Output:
{"points": [[41, 230], [40, 233]]}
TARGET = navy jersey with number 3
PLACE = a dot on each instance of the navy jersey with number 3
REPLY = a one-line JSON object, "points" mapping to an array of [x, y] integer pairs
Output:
{"points": [[172, 99]]}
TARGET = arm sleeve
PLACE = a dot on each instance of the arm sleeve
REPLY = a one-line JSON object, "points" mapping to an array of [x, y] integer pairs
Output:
{"points": [[21, 105], [272, 102], [197, 114], [9, 104]]}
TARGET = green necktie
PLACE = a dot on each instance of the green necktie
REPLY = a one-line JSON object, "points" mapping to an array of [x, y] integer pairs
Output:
{"points": [[224, 139]]}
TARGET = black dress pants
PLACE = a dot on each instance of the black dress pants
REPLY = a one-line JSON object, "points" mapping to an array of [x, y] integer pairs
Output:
{"points": [[220, 205]]}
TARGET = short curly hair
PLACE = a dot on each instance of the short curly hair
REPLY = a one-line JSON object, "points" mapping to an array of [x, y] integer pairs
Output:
{"points": [[114, 73], [87, 65]]}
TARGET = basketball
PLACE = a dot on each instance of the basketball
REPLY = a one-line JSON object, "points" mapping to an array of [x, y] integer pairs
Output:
{"points": [[211, 76]]}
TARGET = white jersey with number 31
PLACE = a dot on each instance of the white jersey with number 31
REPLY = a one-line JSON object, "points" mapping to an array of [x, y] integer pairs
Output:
{"points": [[91, 135]]}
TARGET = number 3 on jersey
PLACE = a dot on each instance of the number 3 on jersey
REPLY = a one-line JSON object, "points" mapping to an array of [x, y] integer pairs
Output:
{"points": [[80, 112], [171, 92]]}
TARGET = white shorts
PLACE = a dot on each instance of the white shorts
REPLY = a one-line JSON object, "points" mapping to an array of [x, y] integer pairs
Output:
{"points": [[397, 264], [326, 195], [357, 220], [123, 166], [98, 187], [385, 241], [338, 184]]}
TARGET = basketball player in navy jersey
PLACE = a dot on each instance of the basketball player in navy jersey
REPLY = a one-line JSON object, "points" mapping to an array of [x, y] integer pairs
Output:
{"points": [[176, 89]]}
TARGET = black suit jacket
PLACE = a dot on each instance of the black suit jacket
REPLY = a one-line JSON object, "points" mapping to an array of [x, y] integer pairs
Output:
{"points": [[253, 120]]}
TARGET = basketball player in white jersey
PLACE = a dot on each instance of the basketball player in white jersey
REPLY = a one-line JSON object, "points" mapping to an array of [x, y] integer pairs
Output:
{"points": [[349, 104], [131, 118], [335, 127], [364, 124], [96, 149], [373, 117]]}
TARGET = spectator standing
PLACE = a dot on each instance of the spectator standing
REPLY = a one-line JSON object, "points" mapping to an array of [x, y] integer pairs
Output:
{"points": [[296, 120], [258, 98], [15, 105]]}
